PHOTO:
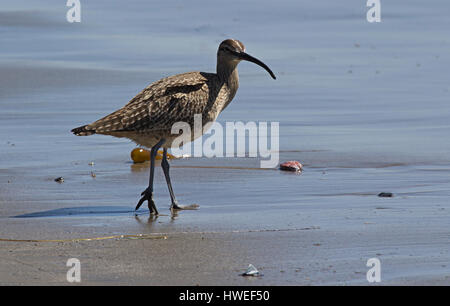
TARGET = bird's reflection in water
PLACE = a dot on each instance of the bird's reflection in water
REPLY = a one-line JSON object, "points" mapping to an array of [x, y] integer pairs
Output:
{"points": [[141, 167], [174, 215], [150, 220]]}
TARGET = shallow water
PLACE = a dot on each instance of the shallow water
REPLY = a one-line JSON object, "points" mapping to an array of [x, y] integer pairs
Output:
{"points": [[363, 106]]}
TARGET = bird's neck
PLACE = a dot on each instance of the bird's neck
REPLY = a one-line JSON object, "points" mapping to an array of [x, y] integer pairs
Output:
{"points": [[228, 74]]}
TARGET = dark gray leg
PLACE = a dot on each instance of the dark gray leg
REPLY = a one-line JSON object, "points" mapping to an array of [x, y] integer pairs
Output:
{"points": [[165, 166], [147, 194]]}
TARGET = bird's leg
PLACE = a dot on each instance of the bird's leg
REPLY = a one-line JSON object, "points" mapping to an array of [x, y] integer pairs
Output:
{"points": [[165, 166], [147, 194]]}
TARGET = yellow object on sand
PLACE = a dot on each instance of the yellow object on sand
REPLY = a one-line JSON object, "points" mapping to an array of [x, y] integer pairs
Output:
{"points": [[140, 155]]}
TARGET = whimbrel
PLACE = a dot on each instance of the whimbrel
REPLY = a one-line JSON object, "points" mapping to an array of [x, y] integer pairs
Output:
{"points": [[148, 118]]}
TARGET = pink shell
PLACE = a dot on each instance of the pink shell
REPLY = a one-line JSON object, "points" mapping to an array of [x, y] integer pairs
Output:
{"points": [[291, 166]]}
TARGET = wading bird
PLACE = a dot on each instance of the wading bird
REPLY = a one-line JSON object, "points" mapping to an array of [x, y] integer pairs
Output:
{"points": [[148, 118]]}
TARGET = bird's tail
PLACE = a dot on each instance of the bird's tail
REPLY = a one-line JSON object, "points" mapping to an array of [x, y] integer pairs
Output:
{"points": [[83, 131], [110, 123]]}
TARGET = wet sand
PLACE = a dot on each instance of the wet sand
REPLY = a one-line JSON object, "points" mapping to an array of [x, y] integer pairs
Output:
{"points": [[364, 107], [310, 236], [309, 256], [219, 259]]}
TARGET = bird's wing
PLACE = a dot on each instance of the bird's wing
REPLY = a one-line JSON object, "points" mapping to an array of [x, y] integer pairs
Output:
{"points": [[159, 105]]}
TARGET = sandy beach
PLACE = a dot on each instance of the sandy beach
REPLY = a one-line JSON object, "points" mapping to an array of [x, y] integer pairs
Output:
{"points": [[364, 107]]}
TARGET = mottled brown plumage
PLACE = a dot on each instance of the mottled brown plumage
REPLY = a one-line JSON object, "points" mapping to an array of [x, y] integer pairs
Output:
{"points": [[148, 118]]}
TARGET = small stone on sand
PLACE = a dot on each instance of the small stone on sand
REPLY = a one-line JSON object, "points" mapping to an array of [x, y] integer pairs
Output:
{"points": [[385, 194]]}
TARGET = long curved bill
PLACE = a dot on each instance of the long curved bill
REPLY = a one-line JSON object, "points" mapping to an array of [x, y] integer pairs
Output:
{"points": [[247, 57]]}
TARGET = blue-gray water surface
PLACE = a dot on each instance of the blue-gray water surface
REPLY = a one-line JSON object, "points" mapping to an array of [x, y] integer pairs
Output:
{"points": [[364, 106]]}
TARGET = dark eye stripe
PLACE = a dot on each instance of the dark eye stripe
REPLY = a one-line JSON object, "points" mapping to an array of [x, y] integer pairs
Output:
{"points": [[226, 48]]}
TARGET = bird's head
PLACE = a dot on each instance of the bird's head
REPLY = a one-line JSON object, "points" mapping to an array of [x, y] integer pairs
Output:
{"points": [[232, 50]]}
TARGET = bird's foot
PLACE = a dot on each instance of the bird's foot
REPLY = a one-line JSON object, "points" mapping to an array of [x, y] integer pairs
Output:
{"points": [[147, 195], [176, 206]]}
